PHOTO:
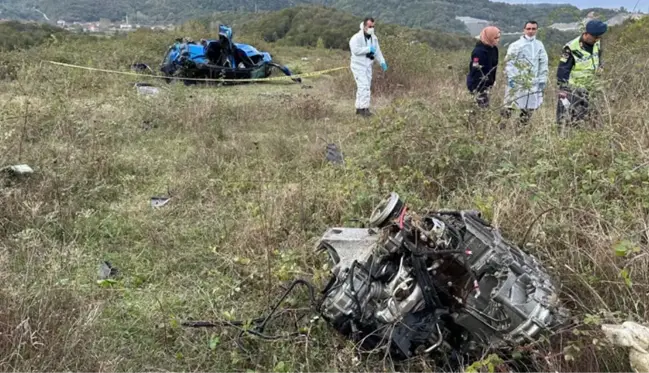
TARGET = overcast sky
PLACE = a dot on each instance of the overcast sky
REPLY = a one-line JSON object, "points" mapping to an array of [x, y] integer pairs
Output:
{"points": [[643, 5]]}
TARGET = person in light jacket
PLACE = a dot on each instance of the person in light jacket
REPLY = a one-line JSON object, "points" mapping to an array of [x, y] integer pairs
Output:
{"points": [[526, 72], [365, 50]]}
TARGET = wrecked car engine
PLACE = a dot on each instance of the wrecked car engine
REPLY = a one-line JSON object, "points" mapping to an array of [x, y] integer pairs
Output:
{"points": [[443, 282]]}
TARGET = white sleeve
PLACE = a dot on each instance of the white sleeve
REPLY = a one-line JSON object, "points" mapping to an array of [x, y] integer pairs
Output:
{"points": [[542, 74], [356, 46]]}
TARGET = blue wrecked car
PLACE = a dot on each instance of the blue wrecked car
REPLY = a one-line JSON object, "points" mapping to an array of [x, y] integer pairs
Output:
{"points": [[218, 59]]}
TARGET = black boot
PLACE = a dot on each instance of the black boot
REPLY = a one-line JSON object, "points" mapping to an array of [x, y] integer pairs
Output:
{"points": [[363, 112]]}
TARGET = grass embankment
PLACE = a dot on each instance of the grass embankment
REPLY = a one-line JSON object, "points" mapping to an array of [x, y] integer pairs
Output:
{"points": [[251, 192]]}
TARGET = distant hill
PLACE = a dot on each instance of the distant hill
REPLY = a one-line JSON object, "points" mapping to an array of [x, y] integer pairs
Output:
{"points": [[304, 25], [428, 14], [330, 28]]}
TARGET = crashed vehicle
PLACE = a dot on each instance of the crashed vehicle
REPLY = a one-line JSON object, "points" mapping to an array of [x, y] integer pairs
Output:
{"points": [[218, 59], [442, 282]]}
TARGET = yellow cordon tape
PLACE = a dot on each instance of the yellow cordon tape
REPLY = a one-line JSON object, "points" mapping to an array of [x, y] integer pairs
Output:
{"points": [[305, 75]]}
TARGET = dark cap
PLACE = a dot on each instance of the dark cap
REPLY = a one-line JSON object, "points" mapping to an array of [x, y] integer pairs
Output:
{"points": [[596, 27]]}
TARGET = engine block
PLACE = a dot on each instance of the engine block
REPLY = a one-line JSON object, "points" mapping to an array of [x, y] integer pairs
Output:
{"points": [[442, 281]]}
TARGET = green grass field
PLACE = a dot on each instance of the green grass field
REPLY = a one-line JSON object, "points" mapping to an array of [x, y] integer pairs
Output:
{"points": [[251, 192]]}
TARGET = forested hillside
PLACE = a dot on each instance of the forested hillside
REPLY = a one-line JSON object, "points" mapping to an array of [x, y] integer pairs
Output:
{"points": [[306, 26], [319, 26], [438, 14]]}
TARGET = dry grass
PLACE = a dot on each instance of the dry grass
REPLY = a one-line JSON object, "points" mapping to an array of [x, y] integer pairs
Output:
{"points": [[251, 192]]}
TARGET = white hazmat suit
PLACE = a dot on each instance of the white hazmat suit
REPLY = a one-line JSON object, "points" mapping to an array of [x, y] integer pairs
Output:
{"points": [[526, 69], [361, 65]]}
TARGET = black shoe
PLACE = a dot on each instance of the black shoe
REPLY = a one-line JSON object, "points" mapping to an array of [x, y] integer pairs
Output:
{"points": [[364, 112]]}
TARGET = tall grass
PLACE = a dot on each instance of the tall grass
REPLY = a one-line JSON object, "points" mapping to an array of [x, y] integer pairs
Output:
{"points": [[251, 191]]}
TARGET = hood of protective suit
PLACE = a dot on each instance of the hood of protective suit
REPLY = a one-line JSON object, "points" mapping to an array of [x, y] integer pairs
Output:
{"points": [[363, 31]]}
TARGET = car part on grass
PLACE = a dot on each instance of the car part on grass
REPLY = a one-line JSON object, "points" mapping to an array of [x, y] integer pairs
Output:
{"points": [[141, 68], [106, 270], [218, 59], [19, 169], [146, 89], [257, 326], [441, 282], [159, 201], [334, 154]]}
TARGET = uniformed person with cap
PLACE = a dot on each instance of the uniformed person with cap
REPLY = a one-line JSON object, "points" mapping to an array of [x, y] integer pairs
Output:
{"points": [[576, 74]]}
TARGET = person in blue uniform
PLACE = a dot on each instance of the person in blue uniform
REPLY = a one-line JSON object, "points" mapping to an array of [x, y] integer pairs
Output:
{"points": [[577, 73]]}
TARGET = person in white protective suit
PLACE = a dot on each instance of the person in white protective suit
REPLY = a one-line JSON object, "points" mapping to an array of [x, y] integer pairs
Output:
{"points": [[365, 49], [526, 70]]}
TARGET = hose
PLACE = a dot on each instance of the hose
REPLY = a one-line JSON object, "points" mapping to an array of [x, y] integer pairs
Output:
{"points": [[259, 329]]}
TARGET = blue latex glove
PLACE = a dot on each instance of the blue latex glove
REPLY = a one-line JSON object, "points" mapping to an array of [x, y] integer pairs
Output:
{"points": [[511, 83], [384, 66], [542, 86], [372, 49]]}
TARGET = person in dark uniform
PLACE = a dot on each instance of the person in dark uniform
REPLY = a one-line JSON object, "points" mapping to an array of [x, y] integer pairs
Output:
{"points": [[483, 65], [576, 73]]}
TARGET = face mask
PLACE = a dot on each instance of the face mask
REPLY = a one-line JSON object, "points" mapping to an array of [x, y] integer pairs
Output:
{"points": [[370, 31]]}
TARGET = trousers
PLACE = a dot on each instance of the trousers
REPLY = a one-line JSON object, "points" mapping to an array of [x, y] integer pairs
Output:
{"points": [[578, 108], [363, 77]]}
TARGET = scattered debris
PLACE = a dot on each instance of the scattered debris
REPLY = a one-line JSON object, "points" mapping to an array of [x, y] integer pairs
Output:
{"points": [[107, 271], [107, 274], [307, 86], [20, 169], [147, 125], [147, 89], [157, 202], [305, 58], [334, 154], [141, 68], [635, 337]]}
